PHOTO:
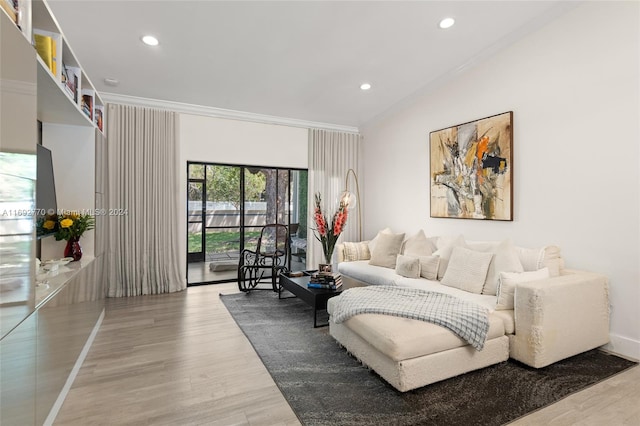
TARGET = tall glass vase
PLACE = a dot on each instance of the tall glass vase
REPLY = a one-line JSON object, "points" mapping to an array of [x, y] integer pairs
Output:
{"points": [[328, 254], [73, 248]]}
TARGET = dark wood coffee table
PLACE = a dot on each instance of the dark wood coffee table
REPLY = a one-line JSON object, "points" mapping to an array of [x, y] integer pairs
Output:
{"points": [[314, 297]]}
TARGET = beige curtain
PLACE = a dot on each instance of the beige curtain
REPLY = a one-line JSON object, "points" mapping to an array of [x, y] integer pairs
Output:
{"points": [[331, 155], [142, 202]]}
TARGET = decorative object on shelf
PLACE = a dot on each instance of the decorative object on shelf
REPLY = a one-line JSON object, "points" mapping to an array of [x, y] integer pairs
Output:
{"points": [[73, 248], [471, 169], [328, 232], [351, 200], [69, 226]]}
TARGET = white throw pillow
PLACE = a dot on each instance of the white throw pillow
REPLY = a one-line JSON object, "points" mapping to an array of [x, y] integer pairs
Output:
{"points": [[467, 269], [529, 258], [508, 282], [429, 267], [374, 241], [534, 259], [356, 251], [408, 266], [445, 252], [417, 245], [386, 250], [505, 259], [551, 259]]}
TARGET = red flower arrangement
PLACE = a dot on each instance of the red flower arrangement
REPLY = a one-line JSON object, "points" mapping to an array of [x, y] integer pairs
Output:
{"points": [[328, 233]]}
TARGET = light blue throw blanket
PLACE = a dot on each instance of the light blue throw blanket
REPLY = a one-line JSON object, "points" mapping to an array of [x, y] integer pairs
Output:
{"points": [[467, 320]]}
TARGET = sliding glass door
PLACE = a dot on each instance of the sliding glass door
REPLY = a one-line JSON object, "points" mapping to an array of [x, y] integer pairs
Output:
{"points": [[227, 207]]}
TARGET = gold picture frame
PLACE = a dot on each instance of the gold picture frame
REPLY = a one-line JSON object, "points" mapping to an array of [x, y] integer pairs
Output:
{"points": [[471, 169]]}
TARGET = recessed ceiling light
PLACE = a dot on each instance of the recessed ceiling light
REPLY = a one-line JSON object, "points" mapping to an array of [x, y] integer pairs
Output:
{"points": [[111, 81], [150, 40], [447, 23], [365, 86]]}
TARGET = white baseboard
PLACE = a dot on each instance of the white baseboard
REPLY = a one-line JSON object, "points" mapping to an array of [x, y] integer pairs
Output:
{"points": [[624, 346]]}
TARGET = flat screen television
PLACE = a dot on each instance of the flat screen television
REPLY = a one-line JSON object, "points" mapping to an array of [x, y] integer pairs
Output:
{"points": [[46, 202]]}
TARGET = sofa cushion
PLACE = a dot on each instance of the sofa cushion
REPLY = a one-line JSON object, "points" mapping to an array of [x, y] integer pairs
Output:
{"points": [[429, 267], [529, 258], [508, 319], [538, 258], [417, 245], [445, 247], [467, 270], [505, 259], [408, 266], [551, 259], [386, 250], [508, 282], [356, 251], [402, 338], [374, 241]]}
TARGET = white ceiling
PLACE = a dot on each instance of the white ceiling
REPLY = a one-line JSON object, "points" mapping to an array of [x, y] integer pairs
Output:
{"points": [[302, 60]]}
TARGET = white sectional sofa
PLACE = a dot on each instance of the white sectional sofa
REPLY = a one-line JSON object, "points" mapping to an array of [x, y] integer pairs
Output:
{"points": [[539, 312]]}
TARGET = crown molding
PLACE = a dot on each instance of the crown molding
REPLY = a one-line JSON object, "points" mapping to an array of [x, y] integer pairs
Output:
{"points": [[221, 113]]}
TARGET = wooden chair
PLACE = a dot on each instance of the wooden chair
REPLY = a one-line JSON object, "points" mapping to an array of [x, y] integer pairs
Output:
{"points": [[272, 254]]}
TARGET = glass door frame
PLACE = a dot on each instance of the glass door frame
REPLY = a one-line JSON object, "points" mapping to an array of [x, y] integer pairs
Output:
{"points": [[243, 168]]}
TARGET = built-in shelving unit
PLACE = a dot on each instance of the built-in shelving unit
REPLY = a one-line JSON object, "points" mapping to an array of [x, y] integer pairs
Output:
{"points": [[37, 353], [55, 103]]}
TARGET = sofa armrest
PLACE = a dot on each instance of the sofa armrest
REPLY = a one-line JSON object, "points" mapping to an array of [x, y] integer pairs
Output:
{"points": [[560, 317]]}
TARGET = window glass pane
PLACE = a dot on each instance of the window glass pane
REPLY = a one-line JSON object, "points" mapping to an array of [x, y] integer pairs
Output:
{"points": [[196, 171], [195, 239], [223, 186], [255, 206], [282, 206], [251, 236], [223, 244], [299, 201], [194, 217]]}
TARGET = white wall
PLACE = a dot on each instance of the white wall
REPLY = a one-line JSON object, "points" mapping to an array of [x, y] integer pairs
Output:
{"points": [[73, 155], [574, 89], [218, 140]]}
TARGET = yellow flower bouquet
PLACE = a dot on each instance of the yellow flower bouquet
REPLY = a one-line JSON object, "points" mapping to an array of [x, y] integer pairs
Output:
{"points": [[66, 226]]}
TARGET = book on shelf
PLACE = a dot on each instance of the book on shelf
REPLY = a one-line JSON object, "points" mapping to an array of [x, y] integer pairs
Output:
{"points": [[46, 48], [87, 103], [64, 80], [72, 82], [98, 112], [11, 7], [19, 11]]}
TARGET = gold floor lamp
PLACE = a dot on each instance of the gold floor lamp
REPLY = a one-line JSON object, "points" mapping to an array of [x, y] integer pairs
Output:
{"points": [[351, 200]]}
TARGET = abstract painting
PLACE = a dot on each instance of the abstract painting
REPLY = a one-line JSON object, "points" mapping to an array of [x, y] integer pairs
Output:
{"points": [[472, 169]]}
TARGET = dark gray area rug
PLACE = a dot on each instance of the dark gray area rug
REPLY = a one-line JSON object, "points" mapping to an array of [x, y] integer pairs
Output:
{"points": [[326, 386]]}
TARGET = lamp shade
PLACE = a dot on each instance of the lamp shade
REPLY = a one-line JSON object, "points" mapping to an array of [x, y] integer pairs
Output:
{"points": [[349, 199]]}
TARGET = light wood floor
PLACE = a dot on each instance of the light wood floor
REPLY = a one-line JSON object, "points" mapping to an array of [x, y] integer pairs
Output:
{"points": [[180, 359]]}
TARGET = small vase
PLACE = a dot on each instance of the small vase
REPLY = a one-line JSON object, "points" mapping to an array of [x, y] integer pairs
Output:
{"points": [[73, 249]]}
